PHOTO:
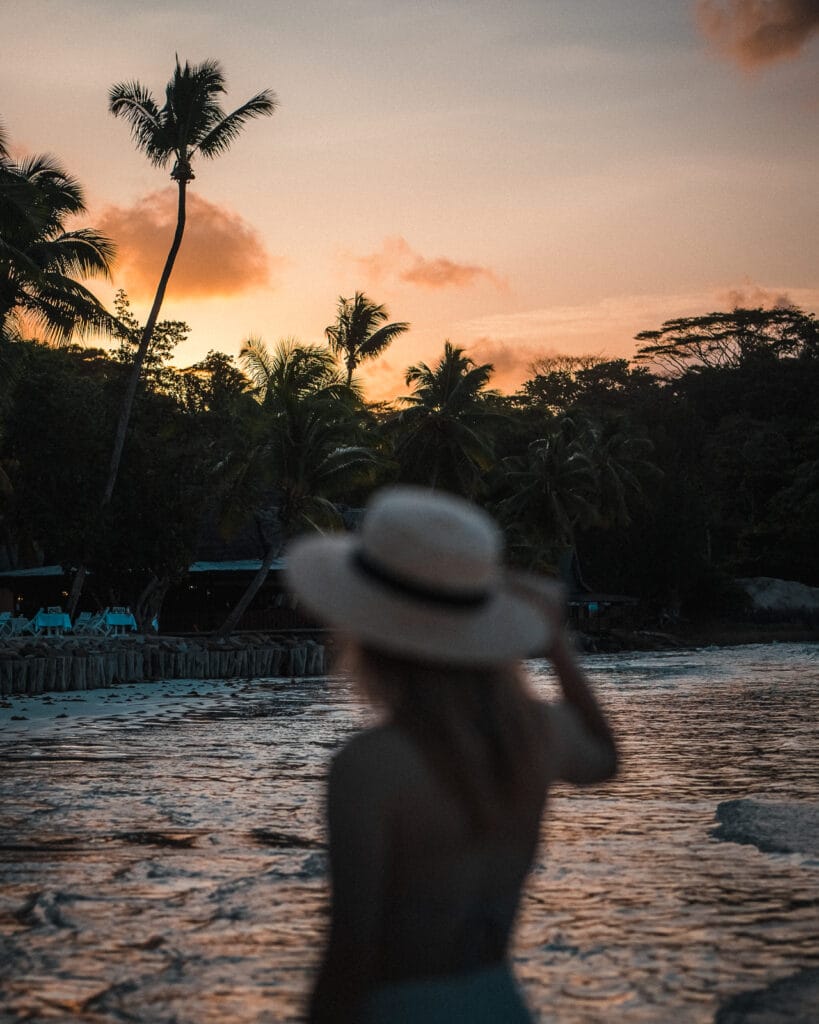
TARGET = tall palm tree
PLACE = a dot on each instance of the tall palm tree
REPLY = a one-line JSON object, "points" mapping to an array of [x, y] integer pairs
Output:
{"points": [[301, 446], [444, 437], [360, 331], [191, 122], [40, 260]]}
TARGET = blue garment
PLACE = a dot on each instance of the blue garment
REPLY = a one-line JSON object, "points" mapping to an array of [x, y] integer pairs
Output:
{"points": [[488, 996]]}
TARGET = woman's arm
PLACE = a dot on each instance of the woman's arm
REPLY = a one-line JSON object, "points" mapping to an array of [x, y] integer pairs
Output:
{"points": [[584, 762], [576, 689]]}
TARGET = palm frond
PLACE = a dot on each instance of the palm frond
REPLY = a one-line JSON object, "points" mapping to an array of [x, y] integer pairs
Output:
{"points": [[256, 361], [135, 103], [227, 130], [51, 193], [62, 307], [376, 343], [419, 373], [84, 251]]}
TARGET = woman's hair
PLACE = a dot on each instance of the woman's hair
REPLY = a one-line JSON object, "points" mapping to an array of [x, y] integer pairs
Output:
{"points": [[477, 727]]}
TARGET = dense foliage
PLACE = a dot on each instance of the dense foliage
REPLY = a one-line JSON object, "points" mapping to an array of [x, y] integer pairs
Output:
{"points": [[667, 487]]}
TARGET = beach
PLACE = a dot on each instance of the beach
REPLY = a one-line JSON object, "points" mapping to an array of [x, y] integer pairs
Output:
{"points": [[162, 848]]}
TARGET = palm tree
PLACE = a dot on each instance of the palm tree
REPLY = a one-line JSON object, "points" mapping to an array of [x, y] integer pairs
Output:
{"points": [[582, 473], [444, 437], [301, 445], [292, 372], [551, 490], [190, 123], [39, 259], [623, 466], [360, 331]]}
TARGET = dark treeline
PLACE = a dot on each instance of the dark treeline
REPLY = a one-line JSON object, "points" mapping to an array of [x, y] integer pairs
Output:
{"points": [[670, 475]]}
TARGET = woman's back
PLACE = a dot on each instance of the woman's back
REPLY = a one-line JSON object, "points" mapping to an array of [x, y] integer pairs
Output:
{"points": [[449, 896], [436, 895]]}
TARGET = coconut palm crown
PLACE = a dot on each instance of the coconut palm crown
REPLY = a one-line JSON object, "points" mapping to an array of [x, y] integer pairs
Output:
{"points": [[360, 331], [191, 121], [444, 438], [39, 260]]}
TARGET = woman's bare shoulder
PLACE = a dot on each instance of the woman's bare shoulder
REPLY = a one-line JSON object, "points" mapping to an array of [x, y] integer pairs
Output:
{"points": [[383, 752]]}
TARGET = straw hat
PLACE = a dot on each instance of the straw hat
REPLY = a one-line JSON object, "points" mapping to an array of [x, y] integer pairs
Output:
{"points": [[423, 578]]}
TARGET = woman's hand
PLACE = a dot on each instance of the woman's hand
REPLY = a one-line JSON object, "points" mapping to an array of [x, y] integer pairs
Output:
{"points": [[547, 595]]}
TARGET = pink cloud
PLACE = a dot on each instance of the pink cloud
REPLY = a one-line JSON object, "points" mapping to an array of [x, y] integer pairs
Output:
{"points": [[753, 33], [752, 296], [221, 254], [512, 360], [397, 260]]}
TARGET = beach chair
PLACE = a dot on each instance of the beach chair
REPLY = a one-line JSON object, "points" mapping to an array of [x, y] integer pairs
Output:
{"points": [[81, 622], [5, 624], [92, 624], [21, 626]]}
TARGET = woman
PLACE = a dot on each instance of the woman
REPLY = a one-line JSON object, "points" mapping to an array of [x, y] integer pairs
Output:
{"points": [[434, 814]]}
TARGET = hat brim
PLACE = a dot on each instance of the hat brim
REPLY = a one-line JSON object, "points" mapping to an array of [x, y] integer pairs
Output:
{"points": [[322, 574]]}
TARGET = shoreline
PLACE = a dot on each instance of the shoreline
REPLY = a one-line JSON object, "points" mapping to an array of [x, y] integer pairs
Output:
{"points": [[614, 641], [34, 666], [150, 702]]}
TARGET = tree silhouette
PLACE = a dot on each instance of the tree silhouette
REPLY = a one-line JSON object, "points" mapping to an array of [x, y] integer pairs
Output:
{"points": [[300, 451], [444, 437], [727, 340], [191, 122], [551, 488], [39, 259], [360, 331]]}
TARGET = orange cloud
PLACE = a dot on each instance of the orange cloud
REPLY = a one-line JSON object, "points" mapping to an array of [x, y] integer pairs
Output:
{"points": [[221, 254], [757, 32], [399, 261]]}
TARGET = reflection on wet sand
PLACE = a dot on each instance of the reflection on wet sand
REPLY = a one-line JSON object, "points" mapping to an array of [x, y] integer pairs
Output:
{"points": [[161, 855]]}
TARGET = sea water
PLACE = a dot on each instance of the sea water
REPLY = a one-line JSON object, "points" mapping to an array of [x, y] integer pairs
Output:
{"points": [[162, 849]]}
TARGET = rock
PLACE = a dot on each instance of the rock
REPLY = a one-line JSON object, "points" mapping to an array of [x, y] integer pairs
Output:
{"points": [[768, 594], [793, 999], [771, 827]]}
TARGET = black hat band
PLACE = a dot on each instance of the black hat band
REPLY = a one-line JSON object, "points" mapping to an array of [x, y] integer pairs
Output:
{"points": [[409, 588]]}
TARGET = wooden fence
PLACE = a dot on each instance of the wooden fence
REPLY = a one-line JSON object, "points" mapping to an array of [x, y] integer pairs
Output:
{"points": [[48, 667]]}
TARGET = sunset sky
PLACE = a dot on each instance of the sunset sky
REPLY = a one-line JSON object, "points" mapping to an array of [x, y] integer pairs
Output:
{"points": [[523, 179]]}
